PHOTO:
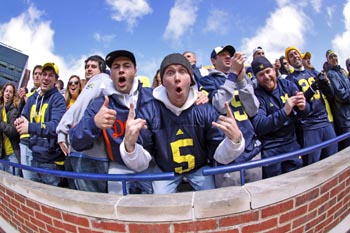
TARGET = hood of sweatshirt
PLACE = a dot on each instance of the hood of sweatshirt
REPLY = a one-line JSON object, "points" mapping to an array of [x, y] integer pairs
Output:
{"points": [[161, 95]]}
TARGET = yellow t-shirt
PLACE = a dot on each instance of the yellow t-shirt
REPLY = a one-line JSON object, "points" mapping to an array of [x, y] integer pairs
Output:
{"points": [[6, 141]]}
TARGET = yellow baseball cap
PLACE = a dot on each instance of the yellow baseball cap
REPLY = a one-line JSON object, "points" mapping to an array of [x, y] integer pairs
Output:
{"points": [[51, 65]]}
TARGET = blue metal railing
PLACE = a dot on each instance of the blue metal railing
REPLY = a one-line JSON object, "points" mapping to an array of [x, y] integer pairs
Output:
{"points": [[170, 175], [267, 161]]}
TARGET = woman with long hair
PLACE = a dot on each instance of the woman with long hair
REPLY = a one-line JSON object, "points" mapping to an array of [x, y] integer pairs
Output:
{"points": [[73, 90], [9, 137]]}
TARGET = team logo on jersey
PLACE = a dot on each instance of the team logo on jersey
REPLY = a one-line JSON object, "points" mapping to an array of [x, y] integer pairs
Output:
{"points": [[179, 132]]}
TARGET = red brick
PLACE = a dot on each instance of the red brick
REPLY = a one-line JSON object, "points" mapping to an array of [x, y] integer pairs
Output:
{"points": [[85, 230], [52, 229], [339, 212], [336, 190], [342, 194], [204, 225], [327, 205], [334, 208], [10, 193], [65, 226], [31, 226], [277, 209], [43, 217], [225, 231], [239, 219], [281, 229], [112, 226], [141, 228], [298, 230], [329, 185], [344, 176], [81, 221], [303, 219], [32, 204], [316, 203], [27, 210], [315, 221], [20, 198], [293, 214], [51, 212], [37, 222], [307, 197], [262, 226], [320, 227]]}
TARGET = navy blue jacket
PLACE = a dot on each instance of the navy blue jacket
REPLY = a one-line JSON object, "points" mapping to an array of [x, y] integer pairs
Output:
{"points": [[44, 113], [84, 134], [272, 125]]}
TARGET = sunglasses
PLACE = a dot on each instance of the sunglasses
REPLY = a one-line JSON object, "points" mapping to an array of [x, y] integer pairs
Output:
{"points": [[75, 82]]}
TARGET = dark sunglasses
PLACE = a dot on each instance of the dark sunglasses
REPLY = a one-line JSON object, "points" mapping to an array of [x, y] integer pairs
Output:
{"points": [[75, 82]]}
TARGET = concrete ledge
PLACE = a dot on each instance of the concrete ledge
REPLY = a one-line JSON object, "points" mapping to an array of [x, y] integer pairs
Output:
{"points": [[182, 206]]}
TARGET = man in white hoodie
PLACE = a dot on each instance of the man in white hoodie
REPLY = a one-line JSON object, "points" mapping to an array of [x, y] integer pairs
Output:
{"points": [[91, 160], [105, 119], [181, 136]]}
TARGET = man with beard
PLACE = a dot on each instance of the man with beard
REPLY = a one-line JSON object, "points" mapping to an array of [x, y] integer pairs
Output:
{"points": [[316, 126]]}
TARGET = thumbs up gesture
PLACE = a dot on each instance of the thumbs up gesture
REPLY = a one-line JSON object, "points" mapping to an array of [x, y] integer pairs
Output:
{"points": [[105, 117]]}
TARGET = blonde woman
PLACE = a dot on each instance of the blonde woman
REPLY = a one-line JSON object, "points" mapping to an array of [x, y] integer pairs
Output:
{"points": [[73, 90], [9, 137]]}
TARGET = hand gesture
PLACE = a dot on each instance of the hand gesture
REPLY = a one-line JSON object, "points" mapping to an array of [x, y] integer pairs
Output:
{"points": [[300, 100], [21, 125], [202, 98], [228, 125], [237, 63], [132, 129], [64, 148], [105, 117]]}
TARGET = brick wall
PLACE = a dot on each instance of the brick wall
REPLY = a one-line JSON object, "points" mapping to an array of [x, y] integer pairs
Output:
{"points": [[312, 199]]}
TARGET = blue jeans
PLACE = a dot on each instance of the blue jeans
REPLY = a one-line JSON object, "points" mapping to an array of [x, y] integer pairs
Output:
{"points": [[88, 165], [195, 178], [45, 178], [26, 159], [10, 158], [115, 187]]}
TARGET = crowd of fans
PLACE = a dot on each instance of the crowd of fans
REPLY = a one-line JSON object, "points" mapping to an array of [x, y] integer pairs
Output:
{"points": [[189, 119]]}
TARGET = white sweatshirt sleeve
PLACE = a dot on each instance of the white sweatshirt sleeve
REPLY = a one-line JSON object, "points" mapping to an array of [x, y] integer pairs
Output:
{"points": [[227, 151], [137, 160]]}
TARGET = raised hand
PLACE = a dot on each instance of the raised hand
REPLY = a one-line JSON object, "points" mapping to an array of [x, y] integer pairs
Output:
{"points": [[105, 117], [237, 63], [202, 97], [132, 129], [300, 101], [228, 125]]}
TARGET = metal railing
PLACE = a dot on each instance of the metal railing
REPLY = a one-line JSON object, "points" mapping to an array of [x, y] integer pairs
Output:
{"points": [[272, 160], [170, 175]]}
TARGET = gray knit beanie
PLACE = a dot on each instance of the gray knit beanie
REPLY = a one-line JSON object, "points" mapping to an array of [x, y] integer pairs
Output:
{"points": [[176, 58]]}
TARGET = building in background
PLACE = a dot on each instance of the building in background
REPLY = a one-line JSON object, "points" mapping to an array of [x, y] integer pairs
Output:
{"points": [[13, 66]]}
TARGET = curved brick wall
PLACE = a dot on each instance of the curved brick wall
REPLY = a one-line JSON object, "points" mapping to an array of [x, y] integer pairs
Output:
{"points": [[312, 199]]}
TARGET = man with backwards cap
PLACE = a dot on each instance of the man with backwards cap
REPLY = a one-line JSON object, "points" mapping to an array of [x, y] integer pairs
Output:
{"points": [[228, 83], [316, 127], [340, 103], [181, 136], [280, 103], [40, 116], [106, 117]]}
